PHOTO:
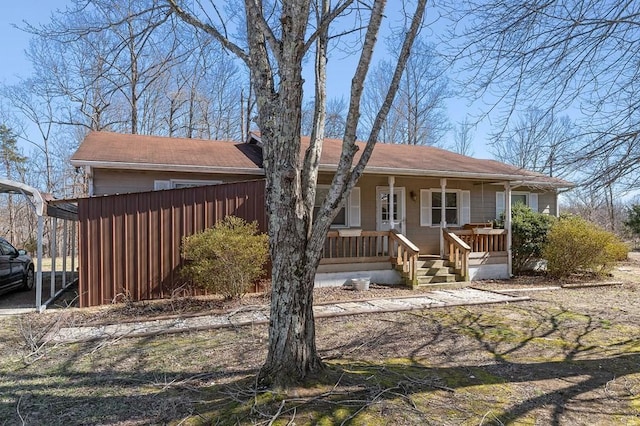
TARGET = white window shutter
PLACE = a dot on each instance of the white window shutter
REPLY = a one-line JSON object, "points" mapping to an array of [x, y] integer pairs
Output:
{"points": [[499, 203], [354, 208], [425, 207], [465, 207], [533, 201], [161, 184]]}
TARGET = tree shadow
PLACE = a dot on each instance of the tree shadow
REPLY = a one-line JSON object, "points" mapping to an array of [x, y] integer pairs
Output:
{"points": [[118, 382]]}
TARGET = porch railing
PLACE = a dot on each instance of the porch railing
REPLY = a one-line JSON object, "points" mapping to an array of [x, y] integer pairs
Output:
{"points": [[358, 246], [406, 256], [484, 239], [458, 251]]}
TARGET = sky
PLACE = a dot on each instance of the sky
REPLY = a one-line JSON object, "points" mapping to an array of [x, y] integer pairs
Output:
{"points": [[15, 64], [14, 41]]}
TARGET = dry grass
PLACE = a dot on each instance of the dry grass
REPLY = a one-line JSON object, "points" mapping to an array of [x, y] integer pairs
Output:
{"points": [[566, 357]]}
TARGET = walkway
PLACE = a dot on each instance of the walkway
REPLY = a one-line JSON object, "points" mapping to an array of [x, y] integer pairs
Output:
{"points": [[260, 315]]}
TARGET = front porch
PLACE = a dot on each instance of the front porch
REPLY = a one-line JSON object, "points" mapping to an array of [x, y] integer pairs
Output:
{"points": [[389, 257]]}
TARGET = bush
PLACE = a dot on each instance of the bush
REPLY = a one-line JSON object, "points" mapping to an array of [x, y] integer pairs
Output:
{"points": [[528, 235], [575, 245], [227, 258]]}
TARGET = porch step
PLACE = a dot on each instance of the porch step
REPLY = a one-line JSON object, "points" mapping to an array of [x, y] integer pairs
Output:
{"points": [[434, 272], [432, 263], [441, 278]]}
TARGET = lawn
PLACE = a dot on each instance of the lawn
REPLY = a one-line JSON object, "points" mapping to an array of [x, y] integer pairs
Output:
{"points": [[566, 357]]}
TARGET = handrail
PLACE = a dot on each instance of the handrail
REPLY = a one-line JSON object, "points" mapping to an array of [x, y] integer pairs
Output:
{"points": [[458, 252], [406, 255], [359, 246], [484, 240]]}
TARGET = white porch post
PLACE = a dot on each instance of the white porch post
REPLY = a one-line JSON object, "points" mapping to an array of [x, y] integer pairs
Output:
{"points": [[507, 225], [392, 212], [443, 213]]}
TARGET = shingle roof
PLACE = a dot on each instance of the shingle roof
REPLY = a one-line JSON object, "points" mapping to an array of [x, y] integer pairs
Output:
{"points": [[107, 149], [115, 150]]}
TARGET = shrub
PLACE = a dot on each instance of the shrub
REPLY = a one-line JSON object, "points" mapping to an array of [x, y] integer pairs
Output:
{"points": [[227, 258], [575, 245], [528, 234]]}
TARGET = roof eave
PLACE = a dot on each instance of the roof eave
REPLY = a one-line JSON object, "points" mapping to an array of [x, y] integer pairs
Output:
{"points": [[164, 167], [522, 179]]}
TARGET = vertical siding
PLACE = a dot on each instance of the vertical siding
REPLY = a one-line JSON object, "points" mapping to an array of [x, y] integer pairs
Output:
{"points": [[130, 244]]}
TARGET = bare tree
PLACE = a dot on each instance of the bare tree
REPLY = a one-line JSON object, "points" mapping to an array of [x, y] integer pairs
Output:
{"points": [[538, 141], [335, 118], [418, 115], [279, 36], [463, 138], [561, 55]]}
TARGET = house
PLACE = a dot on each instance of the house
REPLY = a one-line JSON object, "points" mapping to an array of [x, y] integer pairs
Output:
{"points": [[414, 204]]}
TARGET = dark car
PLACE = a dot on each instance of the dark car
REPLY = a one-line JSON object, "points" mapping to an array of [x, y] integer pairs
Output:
{"points": [[16, 268]]}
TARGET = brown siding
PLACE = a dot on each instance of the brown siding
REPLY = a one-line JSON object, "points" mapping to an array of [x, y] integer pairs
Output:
{"points": [[130, 244], [106, 181]]}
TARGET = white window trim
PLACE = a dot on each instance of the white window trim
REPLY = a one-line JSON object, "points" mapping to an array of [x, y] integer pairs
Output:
{"points": [[531, 200], [172, 183], [426, 209], [351, 209], [190, 182]]}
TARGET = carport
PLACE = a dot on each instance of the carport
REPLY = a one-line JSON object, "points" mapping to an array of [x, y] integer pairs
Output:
{"points": [[45, 207]]}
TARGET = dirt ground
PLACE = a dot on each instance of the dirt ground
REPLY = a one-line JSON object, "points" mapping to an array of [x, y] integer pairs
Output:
{"points": [[566, 357]]}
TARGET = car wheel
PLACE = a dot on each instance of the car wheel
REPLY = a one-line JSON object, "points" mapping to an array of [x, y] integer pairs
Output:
{"points": [[27, 282]]}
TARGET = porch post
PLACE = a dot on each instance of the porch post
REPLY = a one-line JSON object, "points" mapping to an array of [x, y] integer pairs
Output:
{"points": [[507, 225], [392, 212], [443, 212]]}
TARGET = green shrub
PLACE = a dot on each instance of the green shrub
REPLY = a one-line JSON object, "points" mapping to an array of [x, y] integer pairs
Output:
{"points": [[227, 258], [528, 234], [575, 245]]}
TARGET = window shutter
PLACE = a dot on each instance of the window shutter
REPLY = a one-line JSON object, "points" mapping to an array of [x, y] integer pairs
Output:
{"points": [[499, 203], [425, 207], [533, 201], [465, 205], [354, 208], [161, 184]]}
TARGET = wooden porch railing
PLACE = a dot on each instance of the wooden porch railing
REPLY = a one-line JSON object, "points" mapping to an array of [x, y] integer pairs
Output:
{"points": [[458, 253], [357, 246], [484, 239], [406, 256]]}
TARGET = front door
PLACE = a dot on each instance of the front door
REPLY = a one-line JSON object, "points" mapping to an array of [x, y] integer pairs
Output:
{"points": [[383, 210]]}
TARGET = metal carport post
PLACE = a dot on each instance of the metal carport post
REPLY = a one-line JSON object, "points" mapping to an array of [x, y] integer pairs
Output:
{"points": [[34, 198]]}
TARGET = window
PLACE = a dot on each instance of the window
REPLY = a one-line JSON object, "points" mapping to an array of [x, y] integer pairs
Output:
{"points": [[182, 183], [384, 203], [450, 205], [517, 197], [456, 206], [348, 215]]}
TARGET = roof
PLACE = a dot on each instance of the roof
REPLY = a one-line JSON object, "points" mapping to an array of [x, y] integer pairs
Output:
{"points": [[115, 150], [143, 152]]}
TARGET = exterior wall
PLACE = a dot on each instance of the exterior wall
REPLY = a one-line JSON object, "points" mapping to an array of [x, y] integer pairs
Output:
{"points": [[427, 238], [129, 244], [108, 181]]}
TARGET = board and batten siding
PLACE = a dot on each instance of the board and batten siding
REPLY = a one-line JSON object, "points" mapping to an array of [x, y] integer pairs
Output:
{"points": [[130, 244]]}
